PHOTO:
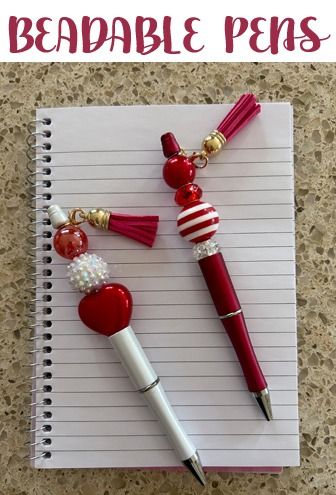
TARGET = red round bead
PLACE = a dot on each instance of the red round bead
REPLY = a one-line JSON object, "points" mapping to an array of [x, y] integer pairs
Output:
{"points": [[70, 241], [187, 194], [178, 170]]}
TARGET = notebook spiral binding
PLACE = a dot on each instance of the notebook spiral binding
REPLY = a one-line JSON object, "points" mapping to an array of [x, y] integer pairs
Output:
{"points": [[39, 168]]}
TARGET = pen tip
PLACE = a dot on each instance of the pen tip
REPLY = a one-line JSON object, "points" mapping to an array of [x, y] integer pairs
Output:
{"points": [[194, 465], [264, 400]]}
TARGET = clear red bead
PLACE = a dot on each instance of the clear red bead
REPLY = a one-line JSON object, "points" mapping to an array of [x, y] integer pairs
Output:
{"points": [[70, 241], [187, 194], [178, 171]]}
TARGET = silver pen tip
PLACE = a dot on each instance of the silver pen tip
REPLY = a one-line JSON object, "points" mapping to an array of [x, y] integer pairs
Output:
{"points": [[264, 400], [194, 465]]}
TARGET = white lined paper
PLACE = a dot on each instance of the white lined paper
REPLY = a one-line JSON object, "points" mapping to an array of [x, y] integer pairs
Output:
{"points": [[251, 186]]}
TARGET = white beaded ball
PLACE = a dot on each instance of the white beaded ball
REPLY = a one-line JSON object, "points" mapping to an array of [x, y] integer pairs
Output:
{"points": [[88, 272]]}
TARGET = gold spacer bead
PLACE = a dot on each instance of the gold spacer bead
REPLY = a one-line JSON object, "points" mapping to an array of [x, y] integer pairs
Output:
{"points": [[213, 143], [98, 218]]}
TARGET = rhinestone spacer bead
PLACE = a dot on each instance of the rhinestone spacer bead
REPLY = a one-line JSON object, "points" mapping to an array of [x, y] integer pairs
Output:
{"points": [[205, 249]]}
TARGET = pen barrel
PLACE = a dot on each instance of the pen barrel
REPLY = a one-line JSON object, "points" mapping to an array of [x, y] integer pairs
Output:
{"points": [[133, 358], [228, 308], [241, 342], [163, 411], [146, 381]]}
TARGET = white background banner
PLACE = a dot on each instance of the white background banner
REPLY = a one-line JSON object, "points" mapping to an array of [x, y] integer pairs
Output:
{"points": [[150, 30]]}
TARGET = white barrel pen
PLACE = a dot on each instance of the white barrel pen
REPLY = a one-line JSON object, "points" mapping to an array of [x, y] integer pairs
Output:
{"points": [[146, 382]]}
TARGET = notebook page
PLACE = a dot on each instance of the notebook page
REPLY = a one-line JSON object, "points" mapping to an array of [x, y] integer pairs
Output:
{"points": [[110, 157]]}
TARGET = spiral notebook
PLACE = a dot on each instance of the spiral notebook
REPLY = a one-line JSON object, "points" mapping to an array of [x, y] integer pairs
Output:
{"points": [[86, 413]]}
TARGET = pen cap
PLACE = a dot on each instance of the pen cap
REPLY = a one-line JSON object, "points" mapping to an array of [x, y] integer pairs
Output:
{"points": [[57, 216], [169, 144]]}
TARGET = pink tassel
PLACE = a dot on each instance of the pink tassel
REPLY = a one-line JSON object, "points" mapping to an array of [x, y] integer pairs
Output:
{"points": [[140, 228], [243, 111]]}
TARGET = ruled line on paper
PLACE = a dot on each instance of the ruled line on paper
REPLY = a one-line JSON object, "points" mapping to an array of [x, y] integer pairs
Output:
{"points": [[161, 435], [117, 182], [167, 376], [77, 193], [156, 150], [100, 234], [180, 304], [168, 391], [256, 200], [174, 209], [184, 276], [211, 318], [161, 333], [155, 178], [287, 289], [164, 362], [183, 262], [172, 404], [167, 277], [56, 166], [149, 420], [163, 450]]}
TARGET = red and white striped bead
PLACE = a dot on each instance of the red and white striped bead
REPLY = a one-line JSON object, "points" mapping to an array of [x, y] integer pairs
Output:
{"points": [[198, 221]]}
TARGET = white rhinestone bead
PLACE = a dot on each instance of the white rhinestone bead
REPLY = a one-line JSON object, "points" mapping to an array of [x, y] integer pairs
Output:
{"points": [[206, 248], [88, 272]]}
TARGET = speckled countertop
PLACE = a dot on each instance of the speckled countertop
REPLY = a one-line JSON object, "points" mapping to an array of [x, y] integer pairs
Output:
{"points": [[311, 89]]}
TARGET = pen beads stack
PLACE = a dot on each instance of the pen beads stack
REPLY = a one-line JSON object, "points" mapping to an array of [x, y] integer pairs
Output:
{"points": [[198, 221]]}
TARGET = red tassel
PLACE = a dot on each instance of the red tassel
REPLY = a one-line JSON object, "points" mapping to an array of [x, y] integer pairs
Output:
{"points": [[243, 111], [140, 228]]}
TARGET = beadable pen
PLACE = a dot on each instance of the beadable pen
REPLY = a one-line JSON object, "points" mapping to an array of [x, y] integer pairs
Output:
{"points": [[198, 222], [106, 308]]}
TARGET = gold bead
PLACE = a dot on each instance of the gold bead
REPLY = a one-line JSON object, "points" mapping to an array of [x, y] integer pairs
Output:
{"points": [[213, 143], [98, 218]]}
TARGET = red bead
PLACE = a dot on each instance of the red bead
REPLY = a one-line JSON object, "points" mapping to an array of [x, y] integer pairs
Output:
{"points": [[187, 194], [70, 241], [178, 171], [107, 311]]}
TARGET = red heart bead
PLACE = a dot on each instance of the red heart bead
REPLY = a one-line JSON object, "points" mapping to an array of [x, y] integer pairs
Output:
{"points": [[107, 311]]}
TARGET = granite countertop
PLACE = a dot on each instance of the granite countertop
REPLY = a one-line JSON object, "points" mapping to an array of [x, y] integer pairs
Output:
{"points": [[311, 89]]}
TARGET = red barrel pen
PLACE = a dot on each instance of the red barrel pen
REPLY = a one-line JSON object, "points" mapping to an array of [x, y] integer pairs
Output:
{"points": [[197, 222], [231, 315]]}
